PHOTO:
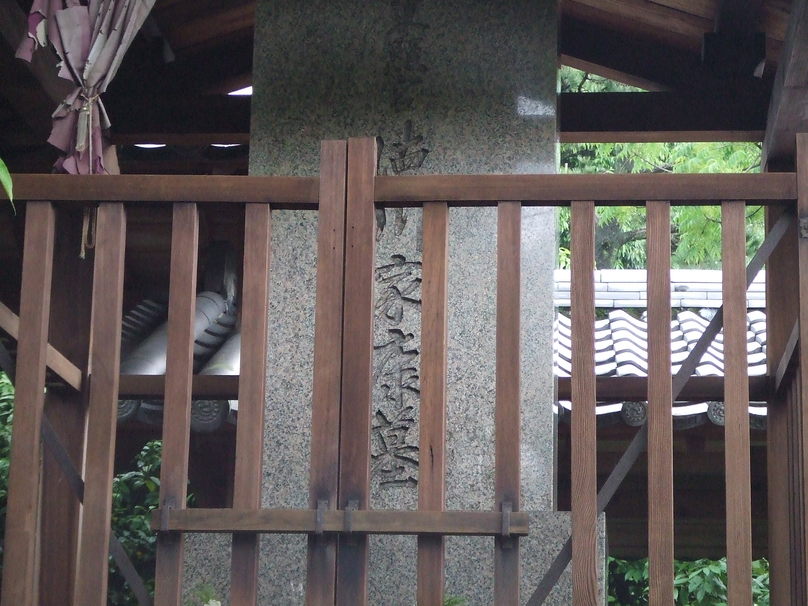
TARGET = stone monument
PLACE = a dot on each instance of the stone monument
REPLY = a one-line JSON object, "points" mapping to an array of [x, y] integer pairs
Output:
{"points": [[448, 86]]}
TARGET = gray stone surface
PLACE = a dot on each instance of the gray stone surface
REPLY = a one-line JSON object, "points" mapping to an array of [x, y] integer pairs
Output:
{"points": [[455, 86]]}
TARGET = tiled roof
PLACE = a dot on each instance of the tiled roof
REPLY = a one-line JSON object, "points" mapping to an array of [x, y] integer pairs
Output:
{"points": [[690, 288]]}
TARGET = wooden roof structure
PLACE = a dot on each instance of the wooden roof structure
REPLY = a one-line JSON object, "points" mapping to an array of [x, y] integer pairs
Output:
{"points": [[715, 72]]}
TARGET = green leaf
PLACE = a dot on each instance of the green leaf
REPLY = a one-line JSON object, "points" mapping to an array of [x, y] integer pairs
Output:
{"points": [[5, 181]]}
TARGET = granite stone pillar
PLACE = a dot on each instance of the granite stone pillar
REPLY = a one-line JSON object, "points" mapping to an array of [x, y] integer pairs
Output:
{"points": [[448, 86]]}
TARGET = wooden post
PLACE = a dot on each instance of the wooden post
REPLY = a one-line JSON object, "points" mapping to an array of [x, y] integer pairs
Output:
{"points": [[507, 414], [325, 403], [357, 367], [736, 405], [660, 419], [584, 436], [69, 333], [800, 452], [20, 561], [251, 398], [177, 402], [92, 568], [432, 438]]}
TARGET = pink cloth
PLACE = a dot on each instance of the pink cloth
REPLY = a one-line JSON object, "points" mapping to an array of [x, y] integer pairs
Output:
{"points": [[90, 37]]}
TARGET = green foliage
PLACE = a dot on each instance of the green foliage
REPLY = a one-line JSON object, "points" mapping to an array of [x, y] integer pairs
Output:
{"points": [[696, 583], [134, 494], [695, 230], [455, 601], [6, 414], [5, 181]]}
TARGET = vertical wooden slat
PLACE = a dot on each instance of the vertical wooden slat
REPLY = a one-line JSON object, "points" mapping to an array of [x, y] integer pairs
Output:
{"points": [[357, 365], [177, 402], [432, 439], [584, 436], [251, 398], [781, 300], [800, 530], [660, 421], [507, 415], [102, 414], [736, 403], [325, 403], [20, 574], [69, 333]]}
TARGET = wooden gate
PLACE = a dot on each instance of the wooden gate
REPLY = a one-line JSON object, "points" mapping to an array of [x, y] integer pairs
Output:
{"points": [[339, 519]]}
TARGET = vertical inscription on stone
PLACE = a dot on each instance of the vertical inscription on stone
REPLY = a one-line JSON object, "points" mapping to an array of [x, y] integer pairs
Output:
{"points": [[394, 451], [404, 45]]}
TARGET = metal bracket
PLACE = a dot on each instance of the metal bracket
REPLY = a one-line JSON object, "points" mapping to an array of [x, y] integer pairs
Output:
{"points": [[506, 540], [347, 528], [322, 505], [165, 511], [803, 227]]}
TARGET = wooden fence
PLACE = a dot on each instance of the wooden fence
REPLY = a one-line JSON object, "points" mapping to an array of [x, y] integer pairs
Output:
{"points": [[339, 519]]}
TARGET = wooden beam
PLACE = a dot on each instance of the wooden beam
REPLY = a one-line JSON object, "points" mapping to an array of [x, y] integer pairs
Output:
{"points": [[281, 191], [486, 190], [788, 109], [711, 114], [211, 26], [697, 389], [67, 371], [361, 522]]}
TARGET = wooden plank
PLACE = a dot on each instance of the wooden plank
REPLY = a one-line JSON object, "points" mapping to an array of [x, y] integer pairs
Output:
{"points": [[432, 430], [206, 387], [20, 562], [800, 520], [362, 522], [788, 108], [659, 136], [487, 190], [660, 397], [357, 365], [251, 398], [177, 407], [507, 439], [325, 401], [58, 363], [736, 400], [102, 414], [788, 361], [584, 433], [281, 191], [697, 389], [715, 110]]}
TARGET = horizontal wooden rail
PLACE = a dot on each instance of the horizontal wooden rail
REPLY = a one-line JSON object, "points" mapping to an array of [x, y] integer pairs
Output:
{"points": [[208, 387], [487, 190], [466, 190], [282, 191], [305, 521], [67, 371], [697, 389], [609, 389]]}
